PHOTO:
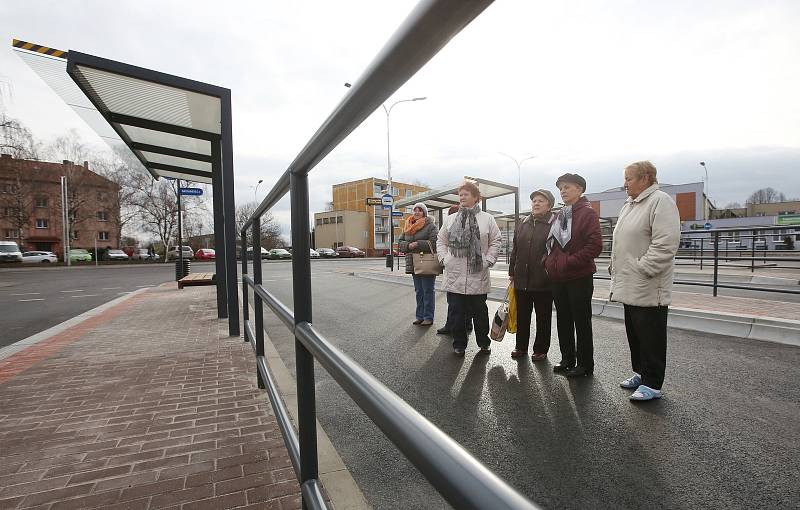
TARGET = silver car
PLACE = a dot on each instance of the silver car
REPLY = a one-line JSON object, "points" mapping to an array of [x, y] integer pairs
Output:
{"points": [[42, 257]]}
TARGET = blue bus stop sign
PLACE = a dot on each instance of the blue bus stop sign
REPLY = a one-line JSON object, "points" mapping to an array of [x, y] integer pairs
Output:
{"points": [[191, 191], [707, 226]]}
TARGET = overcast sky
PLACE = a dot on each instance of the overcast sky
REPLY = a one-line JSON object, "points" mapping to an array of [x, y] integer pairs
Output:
{"points": [[584, 86]]}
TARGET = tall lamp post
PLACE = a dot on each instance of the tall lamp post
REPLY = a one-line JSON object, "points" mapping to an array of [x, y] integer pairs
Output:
{"points": [[519, 173], [708, 198], [255, 192]]}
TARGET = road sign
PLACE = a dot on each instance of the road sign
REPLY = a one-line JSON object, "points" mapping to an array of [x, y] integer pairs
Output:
{"points": [[373, 201], [788, 219], [387, 199], [397, 214], [707, 226], [387, 207], [191, 191]]}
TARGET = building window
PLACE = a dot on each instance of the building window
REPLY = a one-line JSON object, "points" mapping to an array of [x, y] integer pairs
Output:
{"points": [[326, 221], [410, 209], [376, 189], [73, 235], [408, 193], [786, 212], [761, 214], [102, 215], [41, 201], [339, 219], [319, 221], [41, 223], [102, 236], [12, 234], [395, 191]]}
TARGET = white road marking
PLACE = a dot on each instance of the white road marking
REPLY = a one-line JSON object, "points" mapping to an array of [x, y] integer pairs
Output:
{"points": [[78, 290], [85, 295], [26, 300], [110, 288], [26, 294], [140, 286]]}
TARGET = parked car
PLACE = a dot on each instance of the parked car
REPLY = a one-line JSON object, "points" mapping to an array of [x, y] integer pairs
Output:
{"points": [[115, 255], [264, 253], [314, 254], [327, 253], [172, 253], [144, 254], [10, 252], [79, 255], [205, 254], [46, 257], [350, 251], [278, 253]]}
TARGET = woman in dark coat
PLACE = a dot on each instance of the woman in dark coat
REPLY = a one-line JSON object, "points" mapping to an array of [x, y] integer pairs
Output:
{"points": [[572, 245], [419, 235], [531, 283]]}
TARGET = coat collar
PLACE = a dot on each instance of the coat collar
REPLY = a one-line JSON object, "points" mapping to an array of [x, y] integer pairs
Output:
{"points": [[646, 193], [547, 219]]}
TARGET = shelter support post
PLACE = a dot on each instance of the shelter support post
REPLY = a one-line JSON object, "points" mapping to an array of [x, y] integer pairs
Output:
{"points": [[219, 230], [229, 214]]}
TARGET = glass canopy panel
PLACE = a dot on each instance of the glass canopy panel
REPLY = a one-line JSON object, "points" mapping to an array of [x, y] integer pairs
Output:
{"points": [[186, 177], [192, 164], [152, 101], [161, 139]]}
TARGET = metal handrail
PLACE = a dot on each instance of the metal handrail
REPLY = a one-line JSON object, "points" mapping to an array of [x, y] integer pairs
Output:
{"points": [[461, 479]]}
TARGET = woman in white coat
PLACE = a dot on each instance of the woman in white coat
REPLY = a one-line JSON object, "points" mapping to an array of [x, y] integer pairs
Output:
{"points": [[646, 240], [468, 245]]}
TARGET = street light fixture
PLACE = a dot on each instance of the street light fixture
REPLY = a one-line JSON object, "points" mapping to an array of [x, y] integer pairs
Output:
{"points": [[707, 188], [255, 193], [519, 168]]}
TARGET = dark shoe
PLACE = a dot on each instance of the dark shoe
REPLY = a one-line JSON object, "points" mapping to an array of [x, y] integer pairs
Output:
{"points": [[538, 356], [563, 366], [417, 322], [426, 323], [484, 350], [442, 331], [579, 372], [458, 352], [517, 353]]}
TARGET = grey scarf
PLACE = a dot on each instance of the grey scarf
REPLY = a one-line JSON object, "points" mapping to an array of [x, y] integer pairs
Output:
{"points": [[464, 238], [561, 230]]}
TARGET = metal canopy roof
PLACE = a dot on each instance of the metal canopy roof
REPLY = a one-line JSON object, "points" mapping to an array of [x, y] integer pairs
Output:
{"points": [[168, 122], [448, 196]]}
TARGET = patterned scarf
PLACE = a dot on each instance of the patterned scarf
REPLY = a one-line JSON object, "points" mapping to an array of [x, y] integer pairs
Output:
{"points": [[414, 225], [561, 230], [464, 238]]}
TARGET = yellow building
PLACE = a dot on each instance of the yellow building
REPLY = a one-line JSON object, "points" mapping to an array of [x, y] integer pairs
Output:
{"points": [[352, 222]]}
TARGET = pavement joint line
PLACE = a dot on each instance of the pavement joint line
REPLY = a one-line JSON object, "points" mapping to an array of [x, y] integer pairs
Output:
{"points": [[84, 295], [26, 300], [26, 294], [78, 290], [735, 325], [23, 344], [336, 478]]}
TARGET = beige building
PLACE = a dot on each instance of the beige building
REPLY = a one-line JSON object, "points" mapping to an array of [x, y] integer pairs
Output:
{"points": [[354, 223]]}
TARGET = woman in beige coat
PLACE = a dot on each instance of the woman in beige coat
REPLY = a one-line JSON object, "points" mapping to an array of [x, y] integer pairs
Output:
{"points": [[468, 246], [646, 241]]}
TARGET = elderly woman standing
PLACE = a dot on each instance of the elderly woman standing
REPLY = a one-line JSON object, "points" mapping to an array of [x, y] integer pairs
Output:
{"points": [[572, 245], [646, 240], [419, 235], [467, 246], [531, 283]]}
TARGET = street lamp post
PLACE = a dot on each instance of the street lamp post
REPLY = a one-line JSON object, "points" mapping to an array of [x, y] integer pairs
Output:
{"points": [[707, 189], [519, 171], [255, 192]]}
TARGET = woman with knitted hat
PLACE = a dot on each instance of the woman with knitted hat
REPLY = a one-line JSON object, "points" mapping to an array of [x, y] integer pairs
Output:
{"points": [[574, 242], [419, 236]]}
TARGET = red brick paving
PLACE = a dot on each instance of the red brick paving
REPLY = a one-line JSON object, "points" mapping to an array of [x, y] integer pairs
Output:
{"points": [[148, 405]]}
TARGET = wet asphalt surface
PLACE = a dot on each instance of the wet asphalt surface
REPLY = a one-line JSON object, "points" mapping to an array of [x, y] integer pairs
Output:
{"points": [[725, 435]]}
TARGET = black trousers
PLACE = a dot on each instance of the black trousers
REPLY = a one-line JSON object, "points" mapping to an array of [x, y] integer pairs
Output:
{"points": [[448, 325], [542, 302], [466, 308], [646, 327], [573, 301]]}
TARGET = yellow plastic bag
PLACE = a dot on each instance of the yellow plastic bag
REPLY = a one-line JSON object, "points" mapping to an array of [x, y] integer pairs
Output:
{"points": [[512, 309]]}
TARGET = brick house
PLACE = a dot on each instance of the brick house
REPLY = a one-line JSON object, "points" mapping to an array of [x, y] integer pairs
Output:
{"points": [[31, 208]]}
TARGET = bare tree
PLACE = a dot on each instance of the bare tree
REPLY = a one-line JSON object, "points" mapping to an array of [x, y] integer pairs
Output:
{"points": [[16, 139], [766, 196], [121, 168], [68, 147], [17, 200], [270, 229], [733, 205], [156, 208], [328, 206]]}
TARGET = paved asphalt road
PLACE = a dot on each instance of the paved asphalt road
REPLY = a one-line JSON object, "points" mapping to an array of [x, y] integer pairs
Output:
{"points": [[33, 299], [725, 435]]}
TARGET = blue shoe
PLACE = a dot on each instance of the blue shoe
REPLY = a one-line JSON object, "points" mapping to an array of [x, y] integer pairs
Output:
{"points": [[645, 393], [632, 382]]}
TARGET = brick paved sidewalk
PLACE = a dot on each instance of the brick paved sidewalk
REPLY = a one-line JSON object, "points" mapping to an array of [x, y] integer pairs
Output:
{"points": [[149, 405]]}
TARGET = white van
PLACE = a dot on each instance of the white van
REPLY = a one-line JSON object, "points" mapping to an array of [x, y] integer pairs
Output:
{"points": [[10, 252]]}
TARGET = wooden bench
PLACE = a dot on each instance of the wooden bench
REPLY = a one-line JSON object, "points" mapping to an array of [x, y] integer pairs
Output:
{"points": [[194, 279]]}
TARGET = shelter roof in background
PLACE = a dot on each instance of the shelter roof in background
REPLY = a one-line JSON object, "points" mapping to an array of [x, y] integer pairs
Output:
{"points": [[168, 122], [445, 197]]}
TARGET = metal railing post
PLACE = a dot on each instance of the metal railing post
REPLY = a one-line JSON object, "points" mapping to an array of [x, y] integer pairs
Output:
{"points": [[753, 252], [301, 285], [257, 301], [702, 243], [245, 290], [716, 261]]}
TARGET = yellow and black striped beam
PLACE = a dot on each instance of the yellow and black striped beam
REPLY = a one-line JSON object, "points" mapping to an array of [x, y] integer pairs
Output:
{"points": [[44, 50]]}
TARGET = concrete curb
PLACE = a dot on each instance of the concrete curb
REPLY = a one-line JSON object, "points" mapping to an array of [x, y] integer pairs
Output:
{"points": [[768, 329], [23, 344], [339, 484]]}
